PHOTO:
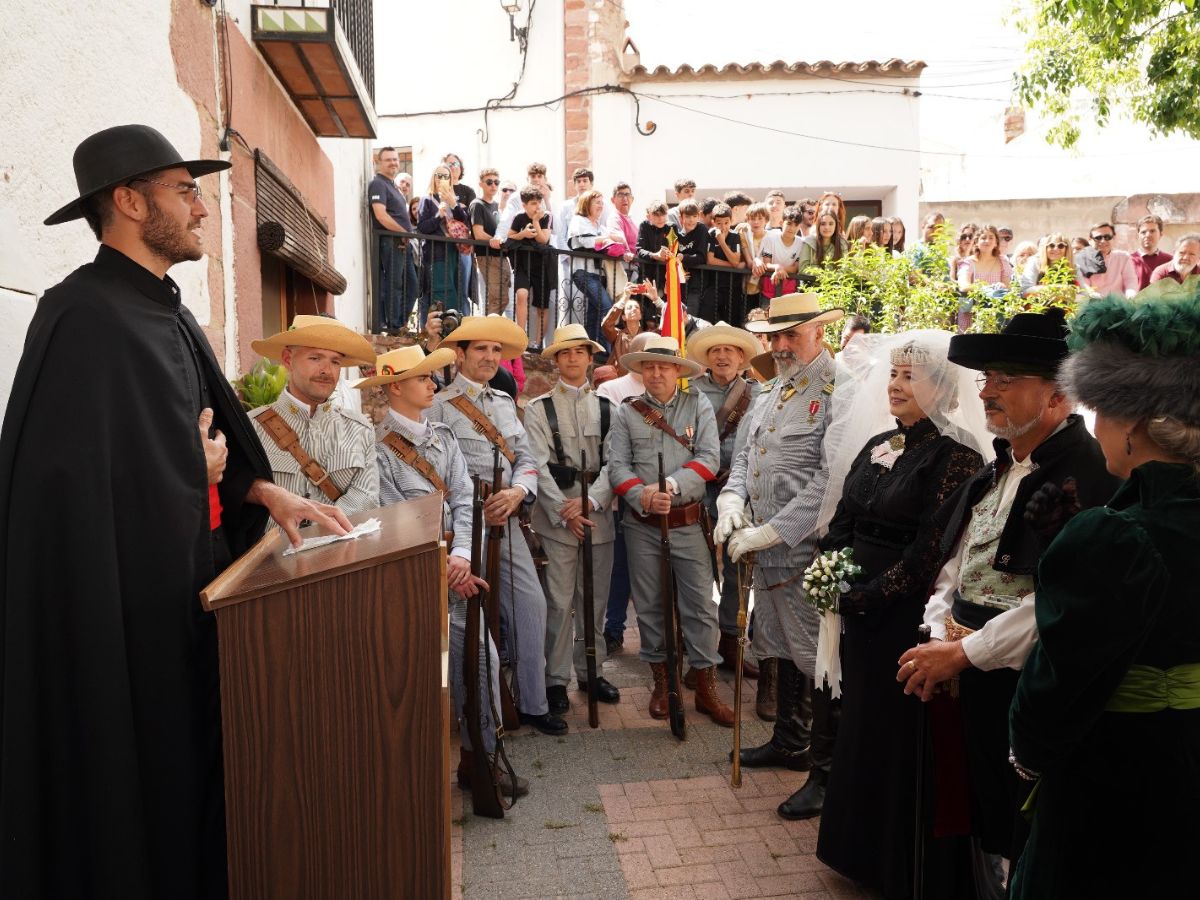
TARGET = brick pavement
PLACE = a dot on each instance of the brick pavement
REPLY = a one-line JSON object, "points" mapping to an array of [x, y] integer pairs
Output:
{"points": [[627, 811]]}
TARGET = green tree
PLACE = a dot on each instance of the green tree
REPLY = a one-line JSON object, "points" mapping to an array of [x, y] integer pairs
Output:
{"points": [[1137, 56]]}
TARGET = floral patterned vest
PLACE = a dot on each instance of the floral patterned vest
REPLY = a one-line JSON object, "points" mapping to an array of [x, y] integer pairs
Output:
{"points": [[978, 581]]}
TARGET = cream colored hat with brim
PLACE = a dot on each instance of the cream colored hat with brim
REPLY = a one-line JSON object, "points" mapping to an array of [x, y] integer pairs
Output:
{"points": [[569, 336], [792, 310], [722, 335], [323, 333], [404, 363], [661, 349], [504, 331]]}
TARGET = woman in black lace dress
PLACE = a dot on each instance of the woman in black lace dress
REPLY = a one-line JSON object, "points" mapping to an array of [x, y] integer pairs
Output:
{"points": [[886, 511]]}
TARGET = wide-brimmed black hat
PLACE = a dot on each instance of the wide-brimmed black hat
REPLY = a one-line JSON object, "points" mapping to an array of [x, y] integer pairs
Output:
{"points": [[116, 155], [1031, 342]]}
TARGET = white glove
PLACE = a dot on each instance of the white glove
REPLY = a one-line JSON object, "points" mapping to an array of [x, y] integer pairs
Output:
{"points": [[731, 515], [751, 540]]}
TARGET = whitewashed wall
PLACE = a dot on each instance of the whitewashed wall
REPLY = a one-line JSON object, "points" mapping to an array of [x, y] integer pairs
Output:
{"points": [[60, 85], [457, 54], [699, 142]]}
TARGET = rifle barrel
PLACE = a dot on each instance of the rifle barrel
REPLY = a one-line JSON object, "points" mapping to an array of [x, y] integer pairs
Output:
{"points": [[589, 601]]}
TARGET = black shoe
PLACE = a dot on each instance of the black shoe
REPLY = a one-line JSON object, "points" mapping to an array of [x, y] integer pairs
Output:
{"points": [[546, 723], [556, 696], [771, 756], [606, 691], [806, 803], [613, 643]]}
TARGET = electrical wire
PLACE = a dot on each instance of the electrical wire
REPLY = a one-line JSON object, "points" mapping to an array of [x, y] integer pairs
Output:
{"points": [[524, 45]]}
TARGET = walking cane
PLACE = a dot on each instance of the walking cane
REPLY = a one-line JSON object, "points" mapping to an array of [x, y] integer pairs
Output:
{"points": [[918, 891], [735, 775]]}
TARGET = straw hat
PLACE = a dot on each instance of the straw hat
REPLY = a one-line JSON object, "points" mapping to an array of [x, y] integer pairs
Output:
{"points": [[504, 331], [661, 349], [404, 363], [569, 336], [791, 310], [722, 335], [323, 333]]}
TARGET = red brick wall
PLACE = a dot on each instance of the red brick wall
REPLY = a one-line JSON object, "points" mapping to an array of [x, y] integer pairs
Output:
{"points": [[576, 66]]}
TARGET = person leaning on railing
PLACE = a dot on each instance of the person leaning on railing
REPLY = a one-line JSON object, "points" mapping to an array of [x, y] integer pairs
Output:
{"points": [[441, 280]]}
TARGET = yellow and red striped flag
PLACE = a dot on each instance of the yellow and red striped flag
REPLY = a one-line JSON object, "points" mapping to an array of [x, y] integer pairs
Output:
{"points": [[672, 318]]}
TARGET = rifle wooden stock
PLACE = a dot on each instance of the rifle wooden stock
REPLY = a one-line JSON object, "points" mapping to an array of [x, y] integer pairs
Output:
{"points": [[735, 775], [589, 605], [508, 707], [918, 884], [485, 790], [670, 622]]}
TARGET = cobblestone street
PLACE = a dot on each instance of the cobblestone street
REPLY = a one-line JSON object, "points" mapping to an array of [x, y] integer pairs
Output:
{"points": [[628, 811]]}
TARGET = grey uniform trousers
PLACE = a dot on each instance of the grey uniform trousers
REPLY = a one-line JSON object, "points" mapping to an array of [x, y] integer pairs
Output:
{"points": [[522, 620], [458, 636], [692, 568], [564, 586], [785, 627]]}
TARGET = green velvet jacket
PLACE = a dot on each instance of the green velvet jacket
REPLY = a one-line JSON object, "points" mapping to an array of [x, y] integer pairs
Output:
{"points": [[1118, 802]]}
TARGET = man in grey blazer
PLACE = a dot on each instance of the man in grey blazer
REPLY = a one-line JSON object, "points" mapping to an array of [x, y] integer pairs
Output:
{"points": [[769, 507]]}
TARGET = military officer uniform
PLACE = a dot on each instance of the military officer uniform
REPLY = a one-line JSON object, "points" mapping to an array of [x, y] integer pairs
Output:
{"points": [[340, 439], [522, 603], [566, 420], [399, 481]]}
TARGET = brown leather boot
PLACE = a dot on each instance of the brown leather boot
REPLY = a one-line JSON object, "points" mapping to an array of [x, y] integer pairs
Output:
{"points": [[766, 702], [728, 649], [707, 700], [658, 699]]}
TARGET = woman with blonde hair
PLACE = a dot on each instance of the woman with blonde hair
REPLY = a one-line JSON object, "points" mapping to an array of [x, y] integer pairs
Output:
{"points": [[440, 213], [1054, 249], [583, 233]]}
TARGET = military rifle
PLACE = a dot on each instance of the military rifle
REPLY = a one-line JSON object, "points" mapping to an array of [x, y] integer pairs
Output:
{"points": [[743, 568], [670, 624], [486, 797], [508, 708], [589, 606]]}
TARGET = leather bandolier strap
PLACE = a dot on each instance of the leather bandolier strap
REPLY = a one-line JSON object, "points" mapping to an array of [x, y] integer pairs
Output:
{"points": [[653, 417], [564, 475], [289, 442], [732, 410], [483, 425], [405, 449]]}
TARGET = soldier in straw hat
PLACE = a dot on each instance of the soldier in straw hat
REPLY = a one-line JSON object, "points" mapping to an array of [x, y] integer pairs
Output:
{"points": [[415, 458], [317, 447], [482, 419]]}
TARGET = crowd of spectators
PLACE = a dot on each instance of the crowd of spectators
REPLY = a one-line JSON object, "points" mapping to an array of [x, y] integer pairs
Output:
{"points": [[591, 258]]}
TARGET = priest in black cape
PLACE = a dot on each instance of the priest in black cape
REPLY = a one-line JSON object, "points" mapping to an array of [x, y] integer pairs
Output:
{"points": [[129, 477]]}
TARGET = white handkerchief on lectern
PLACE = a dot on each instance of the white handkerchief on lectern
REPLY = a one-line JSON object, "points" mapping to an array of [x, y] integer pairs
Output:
{"points": [[368, 527]]}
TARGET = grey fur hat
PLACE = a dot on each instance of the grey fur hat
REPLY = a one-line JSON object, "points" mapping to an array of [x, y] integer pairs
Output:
{"points": [[1137, 360], [1111, 379]]}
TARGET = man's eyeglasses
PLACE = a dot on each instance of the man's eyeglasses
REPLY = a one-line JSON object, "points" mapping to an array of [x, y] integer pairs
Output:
{"points": [[1057, 246], [1103, 237], [624, 194], [491, 182], [998, 380], [454, 165], [197, 193]]}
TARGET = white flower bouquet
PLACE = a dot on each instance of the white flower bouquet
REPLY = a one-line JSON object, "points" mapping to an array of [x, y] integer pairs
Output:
{"points": [[828, 577]]}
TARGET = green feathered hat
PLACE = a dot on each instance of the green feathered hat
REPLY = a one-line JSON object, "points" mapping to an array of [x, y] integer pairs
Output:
{"points": [[1138, 359]]}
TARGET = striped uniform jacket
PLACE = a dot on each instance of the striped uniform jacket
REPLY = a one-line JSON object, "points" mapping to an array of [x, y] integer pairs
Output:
{"points": [[779, 469], [501, 409], [340, 439], [400, 481], [634, 446]]}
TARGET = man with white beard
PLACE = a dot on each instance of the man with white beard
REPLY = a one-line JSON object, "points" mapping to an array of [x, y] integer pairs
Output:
{"points": [[769, 507]]}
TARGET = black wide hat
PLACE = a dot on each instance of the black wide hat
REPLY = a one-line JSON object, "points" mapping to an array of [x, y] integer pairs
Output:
{"points": [[1033, 343], [116, 155]]}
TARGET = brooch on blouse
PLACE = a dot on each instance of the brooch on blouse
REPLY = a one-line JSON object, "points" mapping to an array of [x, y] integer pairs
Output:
{"points": [[888, 452]]}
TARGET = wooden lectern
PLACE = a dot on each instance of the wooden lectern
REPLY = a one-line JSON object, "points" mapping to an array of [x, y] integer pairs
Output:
{"points": [[335, 712]]}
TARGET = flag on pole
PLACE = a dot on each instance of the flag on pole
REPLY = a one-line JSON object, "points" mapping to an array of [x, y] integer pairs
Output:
{"points": [[672, 319]]}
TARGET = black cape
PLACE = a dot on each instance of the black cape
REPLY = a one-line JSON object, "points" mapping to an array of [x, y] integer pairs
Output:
{"points": [[110, 767]]}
